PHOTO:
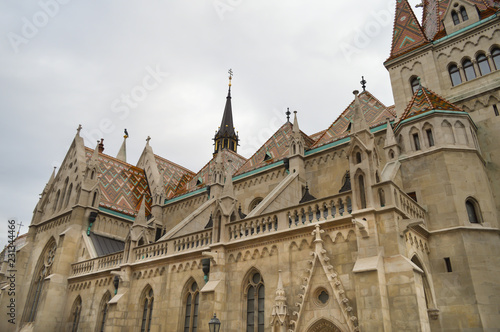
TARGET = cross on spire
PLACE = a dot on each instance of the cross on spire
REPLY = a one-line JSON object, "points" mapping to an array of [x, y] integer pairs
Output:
{"points": [[230, 72], [19, 230]]}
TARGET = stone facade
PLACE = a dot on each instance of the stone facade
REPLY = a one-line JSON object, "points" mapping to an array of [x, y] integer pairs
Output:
{"points": [[386, 221]]}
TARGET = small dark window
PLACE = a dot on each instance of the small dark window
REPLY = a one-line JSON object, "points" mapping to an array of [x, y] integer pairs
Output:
{"points": [[447, 261], [430, 138], [484, 66], [415, 84], [158, 233], [455, 18], [495, 55], [416, 140], [323, 297], [463, 13], [358, 157], [362, 194], [495, 109], [470, 73], [454, 75], [472, 212], [413, 195]]}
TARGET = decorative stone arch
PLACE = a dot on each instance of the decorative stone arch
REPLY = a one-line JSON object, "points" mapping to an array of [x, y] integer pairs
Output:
{"points": [[461, 133], [103, 311], [426, 282], [255, 286], [75, 314], [447, 132], [42, 269], [146, 306], [323, 325], [428, 133]]}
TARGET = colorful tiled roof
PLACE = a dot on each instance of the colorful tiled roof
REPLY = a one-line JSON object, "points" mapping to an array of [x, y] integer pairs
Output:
{"points": [[425, 100], [121, 185], [174, 176], [407, 33], [375, 113], [317, 135], [201, 179], [276, 148]]}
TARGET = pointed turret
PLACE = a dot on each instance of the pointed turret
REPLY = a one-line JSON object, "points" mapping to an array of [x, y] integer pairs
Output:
{"points": [[140, 219], [391, 146], [358, 118], [407, 33], [226, 137], [122, 153], [280, 311]]}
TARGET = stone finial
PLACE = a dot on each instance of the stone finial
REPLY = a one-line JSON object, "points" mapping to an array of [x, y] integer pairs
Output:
{"points": [[280, 311], [317, 233]]}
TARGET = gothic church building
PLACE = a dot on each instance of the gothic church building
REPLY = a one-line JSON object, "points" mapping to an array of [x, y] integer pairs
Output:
{"points": [[387, 220]]}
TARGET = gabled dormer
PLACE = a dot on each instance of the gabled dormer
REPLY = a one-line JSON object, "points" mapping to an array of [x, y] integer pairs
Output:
{"points": [[460, 14]]}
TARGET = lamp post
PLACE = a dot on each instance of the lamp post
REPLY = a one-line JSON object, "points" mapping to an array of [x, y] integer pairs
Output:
{"points": [[214, 324]]}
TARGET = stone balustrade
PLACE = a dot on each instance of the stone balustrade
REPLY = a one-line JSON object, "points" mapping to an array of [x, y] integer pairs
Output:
{"points": [[97, 264], [318, 210], [193, 240], [150, 251]]}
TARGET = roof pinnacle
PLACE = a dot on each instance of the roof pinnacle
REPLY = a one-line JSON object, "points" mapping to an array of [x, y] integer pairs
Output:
{"points": [[363, 83]]}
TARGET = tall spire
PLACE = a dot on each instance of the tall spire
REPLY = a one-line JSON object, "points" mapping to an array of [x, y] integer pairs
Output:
{"points": [[225, 137], [122, 153], [407, 34]]}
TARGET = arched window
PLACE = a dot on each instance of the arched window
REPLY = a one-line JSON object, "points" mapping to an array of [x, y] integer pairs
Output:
{"points": [[42, 270], [103, 312], [463, 13], [56, 201], [254, 203], [484, 66], [454, 75], [415, 84], [358, 157], [255, 303], [362, 194], [63, 195], [495, 55], [70, 189], [455, 18], [470, 73], [147, 309], [381, 196], [425, 282], [472, 208], [75, 314], [94, 198], [192, 303]]}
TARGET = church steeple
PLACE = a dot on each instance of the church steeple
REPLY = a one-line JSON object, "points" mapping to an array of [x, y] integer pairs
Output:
{"points": [[225, 137]]}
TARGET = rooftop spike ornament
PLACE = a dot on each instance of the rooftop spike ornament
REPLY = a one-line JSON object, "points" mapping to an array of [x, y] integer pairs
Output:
{"points": [[363, 83], [226, 137], [288, 114]]}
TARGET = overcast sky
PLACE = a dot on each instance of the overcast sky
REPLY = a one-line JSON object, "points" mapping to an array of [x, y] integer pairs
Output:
{"points": [[159, 68]]}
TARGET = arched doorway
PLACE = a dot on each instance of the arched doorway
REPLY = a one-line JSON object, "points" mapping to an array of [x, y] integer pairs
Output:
{"points": [[323, 325]]}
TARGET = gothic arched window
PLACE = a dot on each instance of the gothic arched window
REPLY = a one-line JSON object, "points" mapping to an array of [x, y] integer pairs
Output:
{"points": [[472, 208], [70, 189], [495, 55], [255, 303], [484, 66], [455, 18], [192, 304], [454, 75], [415, 84], [42, 270], [147, 309], [75, 314], [362, 194], [470, 73], [463, 13], [103, 311]]}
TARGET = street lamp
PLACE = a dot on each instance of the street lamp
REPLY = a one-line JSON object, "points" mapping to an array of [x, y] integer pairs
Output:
{"points": [[214, 324]]}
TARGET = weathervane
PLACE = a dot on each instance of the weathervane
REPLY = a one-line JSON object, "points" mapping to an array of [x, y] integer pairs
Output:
{"points": [[230, 71], [363, 83]]}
